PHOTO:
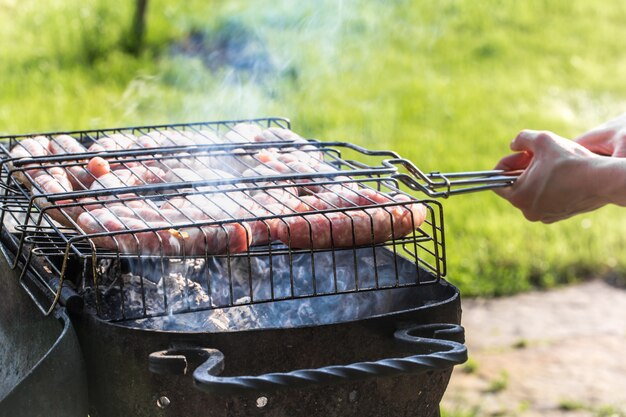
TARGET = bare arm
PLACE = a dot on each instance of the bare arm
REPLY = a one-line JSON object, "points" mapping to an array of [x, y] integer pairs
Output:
{"points": [[607, 139]]}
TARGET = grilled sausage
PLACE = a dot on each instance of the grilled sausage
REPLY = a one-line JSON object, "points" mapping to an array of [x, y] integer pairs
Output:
{"points": [[98, 166], [137, 236], [80, 177], [116, 142], [113, 142], [134, 176], [29, 148], [305, 153], [363, 226]]}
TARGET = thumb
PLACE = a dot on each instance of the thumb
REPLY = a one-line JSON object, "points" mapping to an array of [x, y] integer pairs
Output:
{"points": [[516, 161], [526, 140]]}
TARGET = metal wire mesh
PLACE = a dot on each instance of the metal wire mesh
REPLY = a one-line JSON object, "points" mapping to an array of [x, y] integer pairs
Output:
{"points": [[209, 217]]}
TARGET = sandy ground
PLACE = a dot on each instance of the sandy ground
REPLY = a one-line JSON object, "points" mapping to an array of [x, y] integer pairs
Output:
{"points": [[554, 353]]}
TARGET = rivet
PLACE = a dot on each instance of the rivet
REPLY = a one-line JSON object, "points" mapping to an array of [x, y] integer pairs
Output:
{"points": [[352, 396], [261, 402], [163, 402]]}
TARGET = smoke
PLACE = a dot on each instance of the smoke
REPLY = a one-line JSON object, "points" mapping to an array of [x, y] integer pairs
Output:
{"points": [[241, 65]]}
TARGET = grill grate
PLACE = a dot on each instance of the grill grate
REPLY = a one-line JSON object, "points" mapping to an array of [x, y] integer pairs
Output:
{"points": [[152, 270]]}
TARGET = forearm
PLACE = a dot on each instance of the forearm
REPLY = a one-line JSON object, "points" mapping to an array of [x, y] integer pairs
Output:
{"points": [[611, 180]]}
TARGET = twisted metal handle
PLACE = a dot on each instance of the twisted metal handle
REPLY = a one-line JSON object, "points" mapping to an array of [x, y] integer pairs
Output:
{"points": [[437, 184], [439, 340]]}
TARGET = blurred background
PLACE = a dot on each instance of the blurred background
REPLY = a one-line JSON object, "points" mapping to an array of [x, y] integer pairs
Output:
{"points": [[447, 84]]}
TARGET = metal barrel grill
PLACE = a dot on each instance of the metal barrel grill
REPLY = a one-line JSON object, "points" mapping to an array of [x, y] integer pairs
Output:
{"points": [[234, 268]]}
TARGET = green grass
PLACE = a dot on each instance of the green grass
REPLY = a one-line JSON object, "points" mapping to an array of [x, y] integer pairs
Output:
{"points": [[470, 367], [460, 413], [447, 84], [498, 384], [599, 411], [572, 405]]}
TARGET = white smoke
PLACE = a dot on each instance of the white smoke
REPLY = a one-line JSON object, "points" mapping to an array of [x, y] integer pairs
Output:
{"points": [[277, 40]]}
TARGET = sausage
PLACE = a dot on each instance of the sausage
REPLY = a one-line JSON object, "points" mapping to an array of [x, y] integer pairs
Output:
{"points": [[134, 176], [170, 241], [281, 193], [277, 134], [116, 142], [229, 206], [183, 160], [304, 153], [184, 175], [113, 142], [29, 148], [207, 136], [267, 205], [364, 226], [168, 138], [63, 144], [214, 206], [243, 132], [80, 177], [52, 183], [98, 166], [340, 199], [335, 182]]}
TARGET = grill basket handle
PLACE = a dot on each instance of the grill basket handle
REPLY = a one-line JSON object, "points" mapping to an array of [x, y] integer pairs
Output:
{"points": [[442, 342], [437, 184]]}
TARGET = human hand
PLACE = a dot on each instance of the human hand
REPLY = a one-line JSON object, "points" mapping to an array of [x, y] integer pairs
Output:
{"points": [[561, 178], [607, 139]]}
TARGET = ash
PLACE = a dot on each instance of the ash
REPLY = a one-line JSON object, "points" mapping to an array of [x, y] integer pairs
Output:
{"points": [[253, 291]]}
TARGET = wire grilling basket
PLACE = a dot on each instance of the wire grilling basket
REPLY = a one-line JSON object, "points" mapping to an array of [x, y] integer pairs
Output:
{"points": [[194, 217]]}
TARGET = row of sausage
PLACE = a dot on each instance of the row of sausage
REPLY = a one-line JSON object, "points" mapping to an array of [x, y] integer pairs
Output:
{"points": [[229, 197]]}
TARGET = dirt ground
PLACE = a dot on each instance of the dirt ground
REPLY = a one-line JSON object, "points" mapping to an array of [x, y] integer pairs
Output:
{"points": [[552, 354]]}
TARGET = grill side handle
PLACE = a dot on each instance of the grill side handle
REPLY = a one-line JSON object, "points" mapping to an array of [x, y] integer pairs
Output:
{"points": [[440, 346]]}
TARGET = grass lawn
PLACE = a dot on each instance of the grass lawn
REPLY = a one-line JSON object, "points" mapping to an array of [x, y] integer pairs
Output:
{"points": [[447, 84]]}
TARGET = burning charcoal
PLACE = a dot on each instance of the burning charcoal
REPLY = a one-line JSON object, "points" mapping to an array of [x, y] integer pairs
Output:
{"points": [[305, 310], [251, 273], [249, 280], [134, 300], [181, 293], [156, 292], [334, 271], [214, 320]]}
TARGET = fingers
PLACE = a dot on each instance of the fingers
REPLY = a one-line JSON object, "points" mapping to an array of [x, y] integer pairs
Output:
{"points": [[524, 143], [515, 161], [618, 144], [620, 149], [534, 140], [596, 141]]}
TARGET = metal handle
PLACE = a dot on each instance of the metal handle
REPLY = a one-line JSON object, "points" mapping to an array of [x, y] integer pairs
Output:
{"points": [[177, 360], [437, 184], [441, 341]]}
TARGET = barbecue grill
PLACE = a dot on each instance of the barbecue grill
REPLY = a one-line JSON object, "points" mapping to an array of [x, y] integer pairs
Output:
{"points": [[166, 327]]}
